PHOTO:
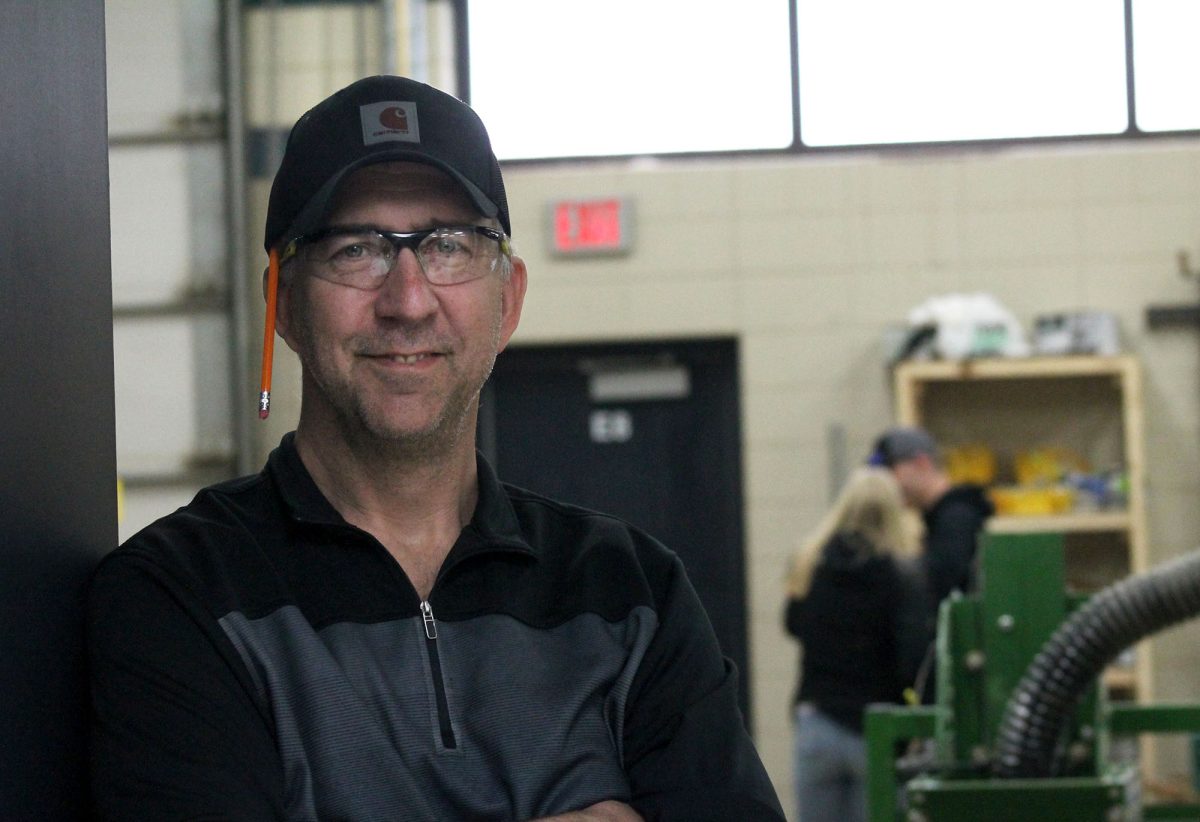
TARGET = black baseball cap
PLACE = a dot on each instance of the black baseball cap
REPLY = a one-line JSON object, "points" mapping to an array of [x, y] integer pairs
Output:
{"points": [[375, 120], [900, 444]]}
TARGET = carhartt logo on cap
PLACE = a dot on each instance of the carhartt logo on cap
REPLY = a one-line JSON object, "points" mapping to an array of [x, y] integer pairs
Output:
{"points": [[389, 120]]}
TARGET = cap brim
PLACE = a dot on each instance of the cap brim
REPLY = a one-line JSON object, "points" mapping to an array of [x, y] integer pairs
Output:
{"points": [[312, 216]]}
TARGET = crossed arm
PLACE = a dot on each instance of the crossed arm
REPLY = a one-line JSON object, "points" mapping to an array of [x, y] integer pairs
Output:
{"points": [[601, 812], [687, 755]]}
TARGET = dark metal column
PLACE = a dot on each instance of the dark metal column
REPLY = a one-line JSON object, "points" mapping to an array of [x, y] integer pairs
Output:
{"points": [[58, 469]]}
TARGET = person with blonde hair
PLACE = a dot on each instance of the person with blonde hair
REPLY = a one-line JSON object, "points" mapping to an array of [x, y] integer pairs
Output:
{"points": [[855, 602]]}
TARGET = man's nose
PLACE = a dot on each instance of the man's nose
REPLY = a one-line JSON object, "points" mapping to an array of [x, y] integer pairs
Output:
{"points": [[406, 291]]}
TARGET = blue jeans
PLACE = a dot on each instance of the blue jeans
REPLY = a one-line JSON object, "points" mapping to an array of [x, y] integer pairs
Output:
{"points": [[830, 769]]}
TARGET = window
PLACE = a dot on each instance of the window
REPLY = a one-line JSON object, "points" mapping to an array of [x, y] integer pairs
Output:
{"points": [[873, 71], [568, 79], [557, 79], [1165, 33]]}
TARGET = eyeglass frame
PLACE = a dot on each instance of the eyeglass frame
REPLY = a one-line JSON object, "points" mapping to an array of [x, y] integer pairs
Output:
{"points": [[399, 240]]}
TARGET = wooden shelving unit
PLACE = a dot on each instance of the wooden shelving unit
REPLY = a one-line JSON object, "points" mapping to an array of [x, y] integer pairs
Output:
{"points": [[1098, 521], [1092, 405]]}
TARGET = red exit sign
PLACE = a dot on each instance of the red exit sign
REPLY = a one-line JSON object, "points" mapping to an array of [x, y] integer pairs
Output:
{"points": [[581, 227]]}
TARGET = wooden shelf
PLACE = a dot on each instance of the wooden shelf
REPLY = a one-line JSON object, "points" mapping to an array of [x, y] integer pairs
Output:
{"points": [[1120, 679], [999, 368], [1088, 404], [1090, 522]]}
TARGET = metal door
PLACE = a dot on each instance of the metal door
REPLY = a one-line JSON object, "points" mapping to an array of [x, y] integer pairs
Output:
{"points": [[646, 431]]}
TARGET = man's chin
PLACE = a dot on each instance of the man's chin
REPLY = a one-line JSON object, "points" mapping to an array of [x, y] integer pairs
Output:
{"points": [[403, 437]]}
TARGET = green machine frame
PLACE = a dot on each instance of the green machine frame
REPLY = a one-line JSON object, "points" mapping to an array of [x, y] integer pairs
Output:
{"points": [[985, 643]]}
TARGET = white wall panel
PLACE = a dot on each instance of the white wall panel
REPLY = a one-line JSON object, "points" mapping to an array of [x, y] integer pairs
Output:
{"points": [[169, 212], [141, 506], [162, 63], [168, 232], [172, 393]]}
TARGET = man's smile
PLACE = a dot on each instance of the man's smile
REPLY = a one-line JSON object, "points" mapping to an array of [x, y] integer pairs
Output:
{"points": [[406, 359]]}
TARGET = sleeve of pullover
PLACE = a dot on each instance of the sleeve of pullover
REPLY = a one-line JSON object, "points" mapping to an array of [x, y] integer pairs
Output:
{"points": [[687, 752], [950, 549], [914, 635], [175, 730]]}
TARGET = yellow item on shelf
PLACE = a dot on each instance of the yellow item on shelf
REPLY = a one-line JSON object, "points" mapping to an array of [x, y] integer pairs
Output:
{"points": [[1029, 501], [1048, 464], [971, 463]]}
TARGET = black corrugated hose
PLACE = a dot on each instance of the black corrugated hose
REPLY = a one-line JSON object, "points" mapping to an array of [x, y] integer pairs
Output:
{"points": [[1109, 622]]}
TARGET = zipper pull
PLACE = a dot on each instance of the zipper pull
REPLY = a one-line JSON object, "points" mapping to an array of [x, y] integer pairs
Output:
{"points": [[427, 615]]}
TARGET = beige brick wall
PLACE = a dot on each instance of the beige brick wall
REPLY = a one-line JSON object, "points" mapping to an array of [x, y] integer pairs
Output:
{"points": [[807, 262]]}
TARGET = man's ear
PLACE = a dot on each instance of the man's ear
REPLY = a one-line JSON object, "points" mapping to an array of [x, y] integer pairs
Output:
{"points": [[283, 310], [512, 299]]}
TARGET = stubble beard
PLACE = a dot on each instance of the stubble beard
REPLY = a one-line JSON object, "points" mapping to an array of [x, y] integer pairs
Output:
{"points": [[371, 430]]}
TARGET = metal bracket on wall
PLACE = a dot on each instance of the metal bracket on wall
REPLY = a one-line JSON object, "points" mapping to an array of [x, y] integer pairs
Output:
{"points": [[1185, 266], [1176, 316]]}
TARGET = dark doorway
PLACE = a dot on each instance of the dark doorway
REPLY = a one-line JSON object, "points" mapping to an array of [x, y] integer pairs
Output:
{"points": [[649, 432]]}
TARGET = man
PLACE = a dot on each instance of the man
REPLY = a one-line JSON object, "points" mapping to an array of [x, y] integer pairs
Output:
{"points": [[954, 514], [375, 627]]}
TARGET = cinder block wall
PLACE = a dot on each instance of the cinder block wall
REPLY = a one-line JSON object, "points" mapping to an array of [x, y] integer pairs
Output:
{"points": [[809, 261]]}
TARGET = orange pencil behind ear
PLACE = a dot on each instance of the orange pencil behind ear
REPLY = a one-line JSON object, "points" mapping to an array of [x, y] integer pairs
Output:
{"points": [[264, 397]]}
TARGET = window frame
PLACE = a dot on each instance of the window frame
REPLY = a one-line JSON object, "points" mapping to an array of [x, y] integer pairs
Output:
{"points": [[799, 148]]}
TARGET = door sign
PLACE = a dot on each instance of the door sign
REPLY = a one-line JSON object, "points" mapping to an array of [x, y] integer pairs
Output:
{"points": [[615, 425]]}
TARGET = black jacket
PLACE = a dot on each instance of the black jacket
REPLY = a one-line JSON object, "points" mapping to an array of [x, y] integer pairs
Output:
{"points": [[952, 529], [862, 630], [254, 656]]}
